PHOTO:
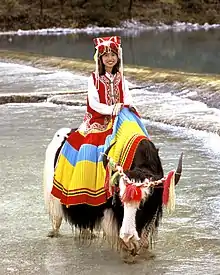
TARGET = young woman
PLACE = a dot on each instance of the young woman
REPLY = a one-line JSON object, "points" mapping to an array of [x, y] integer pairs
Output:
{"points": [[107, 90], [80, 175]]}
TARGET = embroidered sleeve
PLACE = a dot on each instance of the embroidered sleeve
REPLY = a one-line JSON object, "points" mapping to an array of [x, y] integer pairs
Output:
{"points": [[93, 98]]}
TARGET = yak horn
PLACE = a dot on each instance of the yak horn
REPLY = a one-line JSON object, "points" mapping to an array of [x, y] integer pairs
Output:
{"points": [[179, 169], [105, 159]]}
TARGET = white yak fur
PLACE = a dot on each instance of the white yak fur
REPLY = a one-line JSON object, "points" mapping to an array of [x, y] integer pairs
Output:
{"points": [[52, 204], [109, 226], [128, 228]]}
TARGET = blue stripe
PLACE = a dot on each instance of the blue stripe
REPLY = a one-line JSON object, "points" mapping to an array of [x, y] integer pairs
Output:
{"points": [[69, 153], [124, 115], [87, 152]]}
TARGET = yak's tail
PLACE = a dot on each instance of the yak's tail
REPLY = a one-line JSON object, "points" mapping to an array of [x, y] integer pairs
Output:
{"points": [[52, 204]]}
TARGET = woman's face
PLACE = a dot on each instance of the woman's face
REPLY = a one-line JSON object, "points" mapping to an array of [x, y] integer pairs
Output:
{"points": [[109, 60]]}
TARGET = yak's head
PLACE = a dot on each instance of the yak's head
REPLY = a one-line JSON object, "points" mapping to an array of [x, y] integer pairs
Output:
{"points": [[141, 202]]}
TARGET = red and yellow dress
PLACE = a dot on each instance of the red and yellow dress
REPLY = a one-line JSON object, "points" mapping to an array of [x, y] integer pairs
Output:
{"points": [[79, 175]]}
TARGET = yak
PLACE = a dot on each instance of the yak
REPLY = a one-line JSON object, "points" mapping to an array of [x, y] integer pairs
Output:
{"points": [[130, 222]]}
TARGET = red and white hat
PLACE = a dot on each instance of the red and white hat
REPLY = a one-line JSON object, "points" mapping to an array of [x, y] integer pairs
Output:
{"points": [[105, 45]]}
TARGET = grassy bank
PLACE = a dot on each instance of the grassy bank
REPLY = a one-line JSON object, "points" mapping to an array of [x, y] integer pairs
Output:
{"points": [[23, 14], [138, 74]]}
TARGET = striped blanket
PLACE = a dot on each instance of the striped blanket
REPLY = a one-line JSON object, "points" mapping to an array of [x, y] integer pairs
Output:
{"points": [[79, 175]]}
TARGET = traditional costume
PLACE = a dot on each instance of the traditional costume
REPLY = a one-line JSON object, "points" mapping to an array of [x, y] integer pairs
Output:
{"points": [[79, 175]]}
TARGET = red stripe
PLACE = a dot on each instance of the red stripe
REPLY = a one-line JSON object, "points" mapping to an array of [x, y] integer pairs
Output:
{"points": [[132, 151], [80, 199], [78, 189], [76, 139], [97, 139]]}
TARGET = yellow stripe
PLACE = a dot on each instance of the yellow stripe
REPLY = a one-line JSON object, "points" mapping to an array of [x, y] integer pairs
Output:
{"points": [[123, 135], [125, 152], [85, 174]]}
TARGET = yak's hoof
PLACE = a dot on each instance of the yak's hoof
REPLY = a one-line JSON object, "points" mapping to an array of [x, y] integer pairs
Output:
{"points": [[53, 234], [127, 256]]}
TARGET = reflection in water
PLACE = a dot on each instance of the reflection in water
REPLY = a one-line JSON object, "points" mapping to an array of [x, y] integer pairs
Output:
{"points": [[196, 51]]}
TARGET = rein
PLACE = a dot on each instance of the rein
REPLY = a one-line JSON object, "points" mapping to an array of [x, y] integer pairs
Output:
{"points": [[120, 172], [133, 188]]}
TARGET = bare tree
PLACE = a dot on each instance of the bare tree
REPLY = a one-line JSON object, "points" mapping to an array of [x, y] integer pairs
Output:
{"points": [[62, 3], [130, 8], [41, 7]]}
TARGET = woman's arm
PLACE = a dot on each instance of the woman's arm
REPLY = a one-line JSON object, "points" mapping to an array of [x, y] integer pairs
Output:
{"points": [[93, 98]]}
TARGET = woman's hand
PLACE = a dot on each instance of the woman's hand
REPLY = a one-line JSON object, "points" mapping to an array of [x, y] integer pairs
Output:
{"points": [[132, 109], [118, 107]]}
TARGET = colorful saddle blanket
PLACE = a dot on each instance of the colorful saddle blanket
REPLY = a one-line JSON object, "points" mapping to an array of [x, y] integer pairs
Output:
{"points": [[80, 175]]}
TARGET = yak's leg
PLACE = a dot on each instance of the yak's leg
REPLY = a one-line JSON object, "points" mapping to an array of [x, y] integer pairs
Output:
{"points": [[56, 223], [145, 253], [56, 214], [146, 241]]}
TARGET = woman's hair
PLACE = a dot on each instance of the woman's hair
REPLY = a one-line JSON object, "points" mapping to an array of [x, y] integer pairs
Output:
{"points": [[102, 66]]}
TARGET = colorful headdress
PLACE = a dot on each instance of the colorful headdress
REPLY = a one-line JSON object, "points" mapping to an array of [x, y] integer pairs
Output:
{"points": [[105, 45]]}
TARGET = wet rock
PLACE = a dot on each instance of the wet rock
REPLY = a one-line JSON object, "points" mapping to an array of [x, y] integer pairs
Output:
{"points": [[69, 99], [22, 99], [73, 99]]}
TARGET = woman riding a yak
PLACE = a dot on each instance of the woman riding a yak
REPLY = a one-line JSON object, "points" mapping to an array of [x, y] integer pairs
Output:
{"points": [[80, 177], [107, 174]]}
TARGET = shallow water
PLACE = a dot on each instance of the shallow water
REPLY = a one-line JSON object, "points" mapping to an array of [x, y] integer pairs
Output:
{"points": [[188, 241], [196, 51]]}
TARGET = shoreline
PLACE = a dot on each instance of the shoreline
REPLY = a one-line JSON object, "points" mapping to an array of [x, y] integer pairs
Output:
{"points": [[41, 15], [129, 26]]}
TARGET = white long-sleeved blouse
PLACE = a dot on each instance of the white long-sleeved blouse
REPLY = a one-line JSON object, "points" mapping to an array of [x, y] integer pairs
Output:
{"points": [[95, 104]]}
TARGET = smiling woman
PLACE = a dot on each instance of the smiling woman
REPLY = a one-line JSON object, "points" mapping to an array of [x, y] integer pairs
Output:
{"points": [[108, 93]]}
